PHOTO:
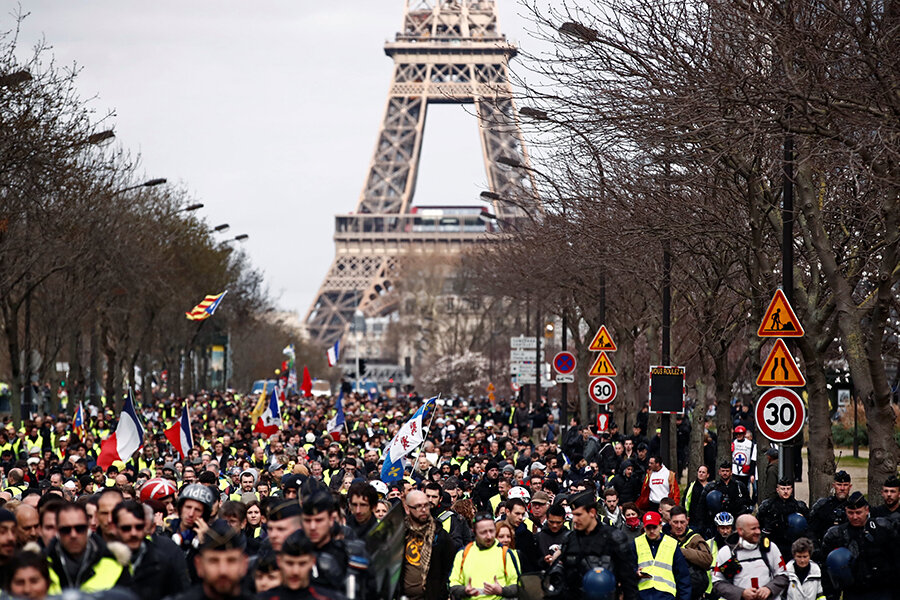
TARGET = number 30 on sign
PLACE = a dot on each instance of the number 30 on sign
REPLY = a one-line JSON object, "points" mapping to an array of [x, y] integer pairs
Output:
{"points": [[780, 414]]}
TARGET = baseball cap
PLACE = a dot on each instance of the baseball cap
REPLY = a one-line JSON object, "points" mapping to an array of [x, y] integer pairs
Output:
{"points": [[651, 518], [540, 498], [773, 452], [538, 465]]}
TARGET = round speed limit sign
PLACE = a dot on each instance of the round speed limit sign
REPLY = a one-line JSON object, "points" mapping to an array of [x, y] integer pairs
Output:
{"points": [[780, 414], [602, 390]]}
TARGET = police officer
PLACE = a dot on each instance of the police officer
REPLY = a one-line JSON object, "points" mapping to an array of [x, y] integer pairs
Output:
{"points": [[872, 546], [296, 561], [340, 563], [591, 545], [774, 513], [828, 512], [735, 496], [890, 494], [221, 564]]}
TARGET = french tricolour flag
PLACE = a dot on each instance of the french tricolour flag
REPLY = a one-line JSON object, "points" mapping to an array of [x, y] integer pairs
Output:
{"points": [[334, 354], [336, 423], [269, 421], [179, 434], [127, 438]]}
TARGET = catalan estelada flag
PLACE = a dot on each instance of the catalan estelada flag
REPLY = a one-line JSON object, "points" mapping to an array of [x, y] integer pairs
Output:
{"points": [[206, 308], [78, 422]]}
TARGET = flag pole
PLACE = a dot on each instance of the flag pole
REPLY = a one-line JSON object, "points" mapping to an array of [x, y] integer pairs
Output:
{"points": [[425, 435]]}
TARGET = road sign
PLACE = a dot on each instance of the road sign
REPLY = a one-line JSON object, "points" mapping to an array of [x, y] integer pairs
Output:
{"points": [[515, 386], [667, 389], [524, 355], [564, 363], [523, 343], [570, 378], [780, 369], [602, 390], [780, 414], [602, 342], [602, 422], [602, 366], [780, 319]]}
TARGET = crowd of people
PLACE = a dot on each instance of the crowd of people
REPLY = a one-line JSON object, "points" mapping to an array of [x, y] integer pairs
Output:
{"points": [[498, 502]]}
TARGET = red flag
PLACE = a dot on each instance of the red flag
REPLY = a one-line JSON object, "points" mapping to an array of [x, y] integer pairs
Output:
{"points": [[306, 388]]}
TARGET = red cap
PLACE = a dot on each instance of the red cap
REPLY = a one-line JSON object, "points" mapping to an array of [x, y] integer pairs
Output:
{"points": [[651, 518], [740, 429]]}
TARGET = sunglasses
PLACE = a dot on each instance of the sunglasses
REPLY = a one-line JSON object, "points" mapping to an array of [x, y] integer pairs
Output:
{"points": [[68, 529], [129, 528], [483, 517]]}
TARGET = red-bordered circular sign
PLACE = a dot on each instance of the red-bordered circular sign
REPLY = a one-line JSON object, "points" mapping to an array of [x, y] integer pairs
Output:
{"points": [[602, 390], [780, 414], [564, 363]]}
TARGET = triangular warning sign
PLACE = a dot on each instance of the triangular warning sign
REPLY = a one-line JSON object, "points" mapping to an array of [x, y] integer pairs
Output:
{"points": [[602, 366], [780, 320], [780, 370], [603, 342]]}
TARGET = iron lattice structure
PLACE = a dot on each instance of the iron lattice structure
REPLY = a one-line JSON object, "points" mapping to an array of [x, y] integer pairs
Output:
{"points": [[449, 51]]}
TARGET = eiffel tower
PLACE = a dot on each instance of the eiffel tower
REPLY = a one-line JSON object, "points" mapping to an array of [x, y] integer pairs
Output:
{"points": [[449, 51]]}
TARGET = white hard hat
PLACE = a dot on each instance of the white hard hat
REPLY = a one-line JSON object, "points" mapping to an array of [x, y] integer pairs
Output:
{"points": [[380, 487], [519, 492]]}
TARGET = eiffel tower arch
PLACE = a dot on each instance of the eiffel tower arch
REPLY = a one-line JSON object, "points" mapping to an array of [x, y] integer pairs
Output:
{"points": [[448, 51]]}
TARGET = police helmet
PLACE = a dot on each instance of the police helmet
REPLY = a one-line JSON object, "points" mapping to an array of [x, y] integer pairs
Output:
{"points": [[599, 584], [199, 493], [839, 567], [796, 525], [724, 519], [714, 501]]}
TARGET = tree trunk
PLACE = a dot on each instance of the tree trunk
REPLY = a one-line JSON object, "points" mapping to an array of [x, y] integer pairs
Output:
{"points": [[723, 410], [697, 421], [11, 329]]}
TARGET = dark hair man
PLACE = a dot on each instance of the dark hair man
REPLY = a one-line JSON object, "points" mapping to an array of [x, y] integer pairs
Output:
{"points": [[157, 565], [361, 498]]}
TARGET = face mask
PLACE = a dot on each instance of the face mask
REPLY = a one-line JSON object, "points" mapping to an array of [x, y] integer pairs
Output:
{"points": [[744, 544], [633, 522]]}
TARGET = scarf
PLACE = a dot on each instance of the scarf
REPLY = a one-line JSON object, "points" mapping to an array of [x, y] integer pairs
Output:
{"points": [[426, 532]]}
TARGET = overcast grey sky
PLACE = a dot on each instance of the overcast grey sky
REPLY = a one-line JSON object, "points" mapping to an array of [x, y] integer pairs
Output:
{"points": [[267, 112]]}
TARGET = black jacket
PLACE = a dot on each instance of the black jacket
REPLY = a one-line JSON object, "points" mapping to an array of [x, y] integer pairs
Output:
{"points": [[875, 557], [159, 570], [437, 580], [604, 547]]}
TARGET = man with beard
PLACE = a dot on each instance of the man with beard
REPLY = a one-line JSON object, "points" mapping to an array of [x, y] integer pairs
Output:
{"points": [[158, 568], [828, 512], [890, 493], [447, 520], [551, 537], [221, 564], [428, 552]]}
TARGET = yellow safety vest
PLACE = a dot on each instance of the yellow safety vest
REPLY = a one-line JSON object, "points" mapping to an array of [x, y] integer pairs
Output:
{"points": [[659, 568], [495, 501], [106, 573], [714, 548], [476, 564]]}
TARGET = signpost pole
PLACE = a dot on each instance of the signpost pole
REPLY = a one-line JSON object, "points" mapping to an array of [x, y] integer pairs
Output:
{"points": [[564, 393], [666, 418], [786, 456], [537, 360]]}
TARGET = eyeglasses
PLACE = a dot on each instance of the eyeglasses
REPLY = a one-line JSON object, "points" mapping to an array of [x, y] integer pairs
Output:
{"points": [[68, 529], [128, 528], [419, 506]]}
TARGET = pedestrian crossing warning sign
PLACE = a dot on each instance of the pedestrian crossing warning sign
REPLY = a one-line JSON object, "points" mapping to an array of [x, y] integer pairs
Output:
{"points": [[780, 370], [602, 366], [603, 342], [780, 319]]}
